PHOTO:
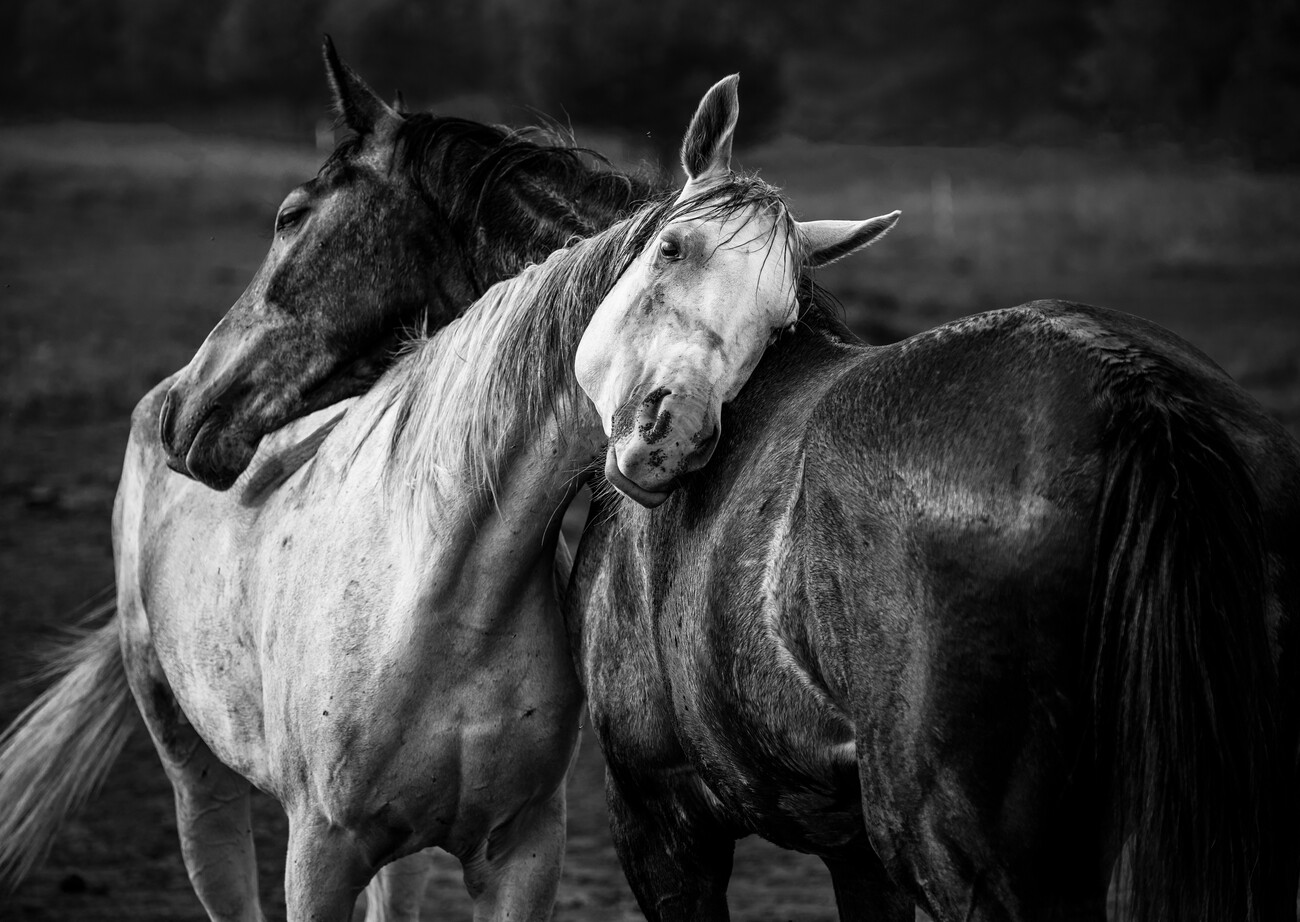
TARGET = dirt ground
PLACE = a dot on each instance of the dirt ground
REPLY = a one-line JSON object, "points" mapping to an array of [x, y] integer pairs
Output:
{"points": [[121, 246]]}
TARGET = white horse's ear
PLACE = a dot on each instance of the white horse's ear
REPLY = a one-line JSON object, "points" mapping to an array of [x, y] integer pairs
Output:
{"points": [[359, 107], [826, 241], [706, 149]]}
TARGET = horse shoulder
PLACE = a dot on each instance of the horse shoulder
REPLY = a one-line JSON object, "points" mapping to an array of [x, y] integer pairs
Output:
{"points": [[612, 631]]}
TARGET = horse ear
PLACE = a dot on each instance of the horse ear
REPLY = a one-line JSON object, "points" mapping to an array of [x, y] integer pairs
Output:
{"points": [[826, 241], [358, 105], [399, 103], [706, 149]]}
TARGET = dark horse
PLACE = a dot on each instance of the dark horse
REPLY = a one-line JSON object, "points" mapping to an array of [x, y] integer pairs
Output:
{"points": [[962, 615], [409, 220]]}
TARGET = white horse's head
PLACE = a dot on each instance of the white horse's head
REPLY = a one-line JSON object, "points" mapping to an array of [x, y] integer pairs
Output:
{"points": [[681, 332]]}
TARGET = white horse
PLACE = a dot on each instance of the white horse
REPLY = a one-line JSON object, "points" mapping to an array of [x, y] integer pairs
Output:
{"points": [[366, 625]]}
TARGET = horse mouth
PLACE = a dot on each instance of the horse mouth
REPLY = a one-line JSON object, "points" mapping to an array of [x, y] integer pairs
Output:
{"points": [[205, 459], [629, 488]]}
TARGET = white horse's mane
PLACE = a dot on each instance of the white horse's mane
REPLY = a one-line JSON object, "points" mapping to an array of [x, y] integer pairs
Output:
{"points": [[461, 396]]}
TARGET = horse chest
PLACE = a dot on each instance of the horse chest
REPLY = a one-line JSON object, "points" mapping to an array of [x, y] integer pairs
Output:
{"points": [[688, 683]]}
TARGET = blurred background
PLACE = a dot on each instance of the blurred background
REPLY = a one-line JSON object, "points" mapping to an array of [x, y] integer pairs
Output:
{"points": [[1218, 76], [1138, 154]]}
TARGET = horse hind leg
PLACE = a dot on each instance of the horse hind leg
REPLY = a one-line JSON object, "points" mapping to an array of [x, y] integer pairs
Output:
{"points": [[975, 870], [863, 890], [212, 802], [396, 892]]}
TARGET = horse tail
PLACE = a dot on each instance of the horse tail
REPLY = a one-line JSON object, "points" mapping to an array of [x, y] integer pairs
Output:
{"points": [[57, 752], [1183, 677]]}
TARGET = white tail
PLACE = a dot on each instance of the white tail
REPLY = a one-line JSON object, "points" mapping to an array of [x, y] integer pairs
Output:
{"points": [[56, 754]]}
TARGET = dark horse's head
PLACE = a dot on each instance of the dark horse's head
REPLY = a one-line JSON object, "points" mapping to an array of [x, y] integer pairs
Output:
{"points": [[408, 221]]}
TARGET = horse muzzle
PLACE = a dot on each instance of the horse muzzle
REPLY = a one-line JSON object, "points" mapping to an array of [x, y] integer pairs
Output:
{"points": [[200, 440], [656, 439]]}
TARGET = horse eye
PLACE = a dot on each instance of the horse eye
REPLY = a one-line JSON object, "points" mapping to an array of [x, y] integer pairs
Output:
{"points": [[669, 249], [288, 218]]}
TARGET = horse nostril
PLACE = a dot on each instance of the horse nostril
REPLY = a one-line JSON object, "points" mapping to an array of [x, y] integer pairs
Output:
{"points": [[656, 422], [655, 399], [165, 416], [703, 450]]}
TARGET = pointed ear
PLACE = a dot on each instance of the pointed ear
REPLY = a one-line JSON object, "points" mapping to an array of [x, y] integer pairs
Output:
{"points": [[399, 103], [826, 241], [706, 149], [358, 105]]}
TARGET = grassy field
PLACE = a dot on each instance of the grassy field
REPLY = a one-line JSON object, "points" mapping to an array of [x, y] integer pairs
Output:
{"points": [[121, 246]]}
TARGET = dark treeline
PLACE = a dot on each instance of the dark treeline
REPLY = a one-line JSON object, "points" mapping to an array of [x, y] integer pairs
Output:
{"points": [[930, 71]]}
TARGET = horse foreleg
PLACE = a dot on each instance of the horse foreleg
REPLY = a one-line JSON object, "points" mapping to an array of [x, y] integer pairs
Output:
{"points": [[212, 817], [212, 802], [515, 873], [324, 872], [863, 890], [397, 890], [677, 858]]}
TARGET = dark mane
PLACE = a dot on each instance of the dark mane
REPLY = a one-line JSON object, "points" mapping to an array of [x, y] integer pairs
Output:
{"points": [[822, 310], [509, 196], [512, 196]]}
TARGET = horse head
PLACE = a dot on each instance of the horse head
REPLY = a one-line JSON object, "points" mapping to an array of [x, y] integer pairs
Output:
{"points": [[356, 258], [681, 331]]}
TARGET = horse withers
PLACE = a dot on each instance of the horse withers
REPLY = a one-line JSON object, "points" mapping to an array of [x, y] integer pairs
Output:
{"points": [[962, 615]]}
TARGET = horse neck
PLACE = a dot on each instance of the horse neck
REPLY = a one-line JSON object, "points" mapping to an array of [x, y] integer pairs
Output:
{"points": [[486, 428], [540, 210], [496, 550]]}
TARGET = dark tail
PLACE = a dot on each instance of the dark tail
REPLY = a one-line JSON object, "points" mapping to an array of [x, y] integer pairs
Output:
{"points": [[1184, 684], [56, 754]]}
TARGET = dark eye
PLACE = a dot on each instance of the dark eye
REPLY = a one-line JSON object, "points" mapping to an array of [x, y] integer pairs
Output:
{"points": [[670, 249], [290, 217]]}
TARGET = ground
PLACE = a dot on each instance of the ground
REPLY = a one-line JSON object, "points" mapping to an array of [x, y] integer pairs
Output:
{"points": [[120, 246]]}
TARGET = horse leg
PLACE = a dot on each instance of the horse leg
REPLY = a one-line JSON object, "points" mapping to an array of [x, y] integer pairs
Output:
{"points": [[676, 857], [212, 802], [863, 890], [515, 873], [325, 870], [397, 890], [976, 871]]}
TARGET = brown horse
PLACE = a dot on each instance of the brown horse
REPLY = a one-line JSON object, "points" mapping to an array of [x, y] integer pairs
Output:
{"points": [[962, 615], [409, 221]]}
